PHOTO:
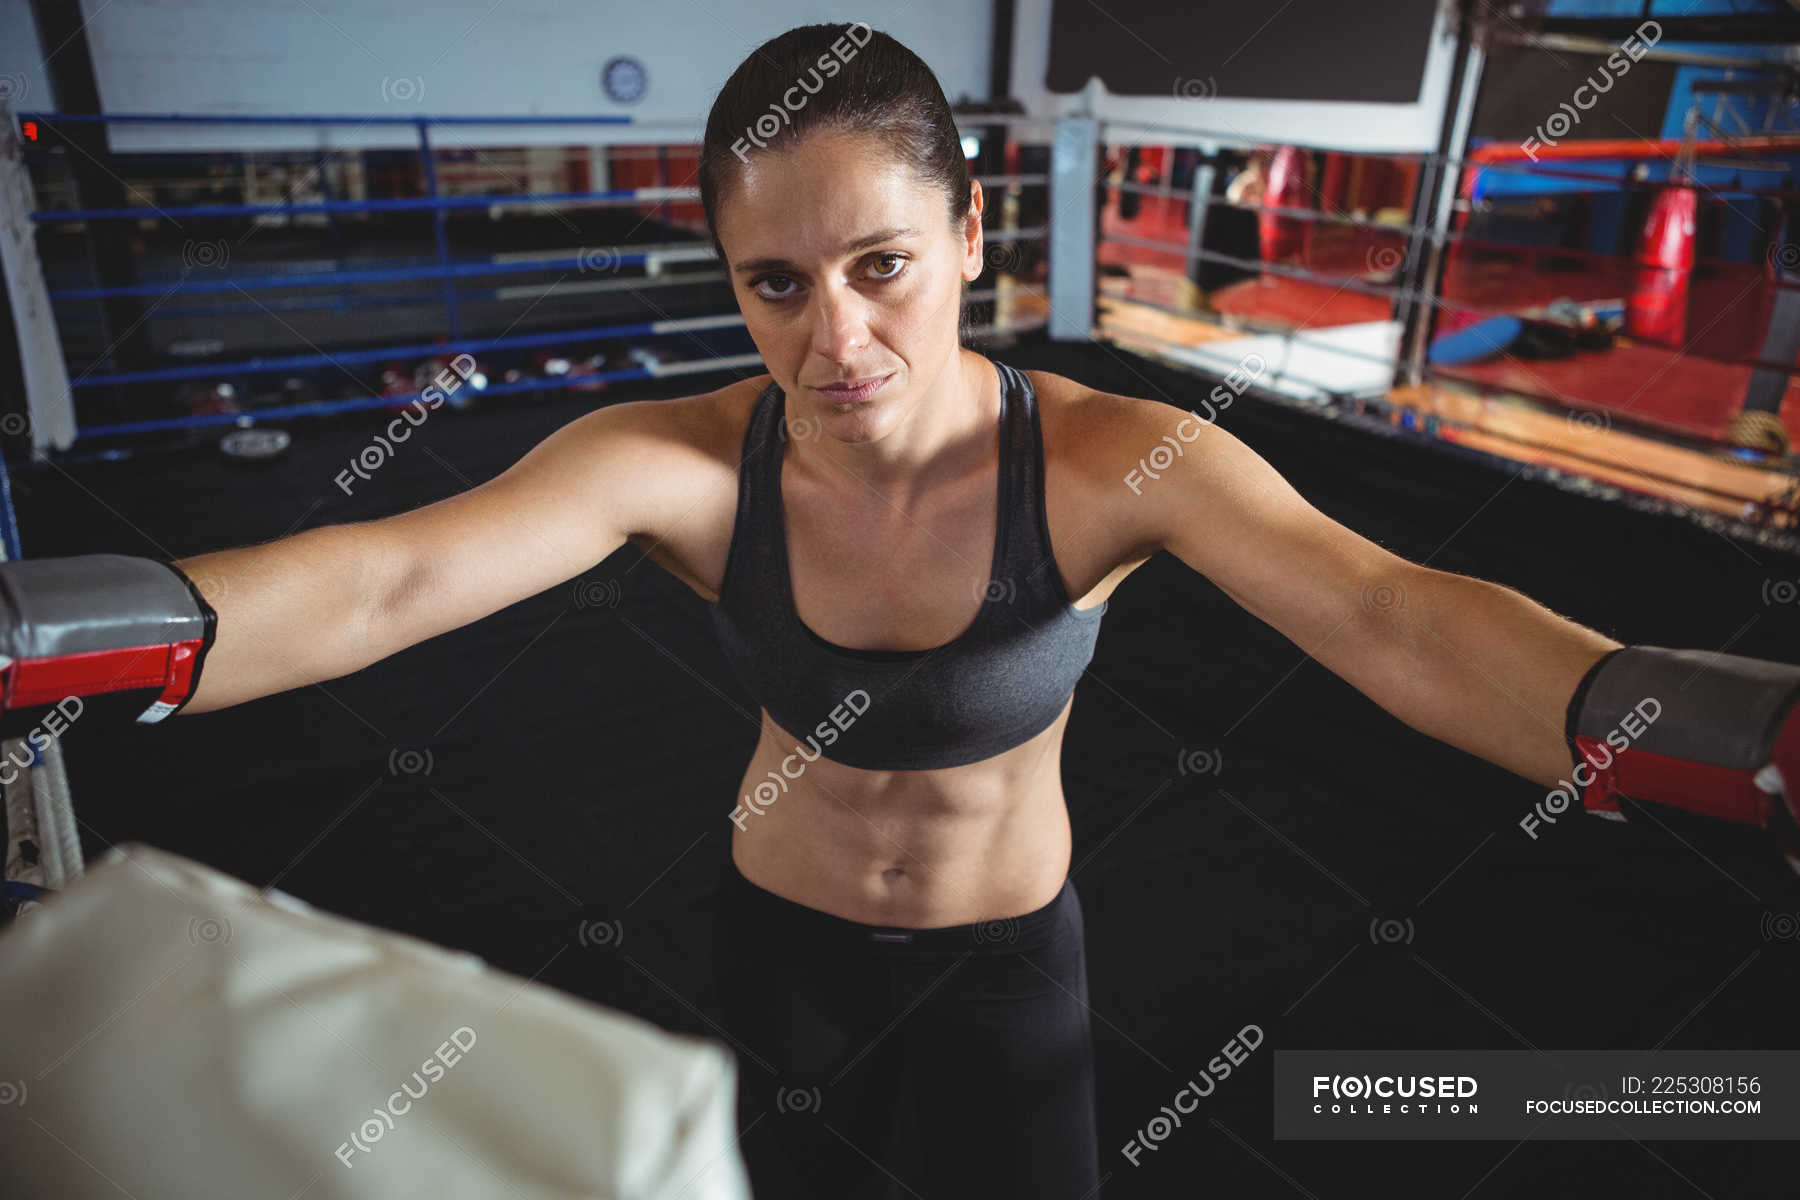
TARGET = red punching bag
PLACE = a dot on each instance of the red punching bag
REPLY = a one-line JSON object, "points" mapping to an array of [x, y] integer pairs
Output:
{"points": [[1657, 309], [1284, 237]]}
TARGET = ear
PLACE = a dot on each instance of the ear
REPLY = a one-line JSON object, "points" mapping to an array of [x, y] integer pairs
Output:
{"points": [[972, 244]]}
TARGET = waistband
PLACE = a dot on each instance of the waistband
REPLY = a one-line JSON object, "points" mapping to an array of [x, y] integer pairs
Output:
{"points": [[998, 935]]}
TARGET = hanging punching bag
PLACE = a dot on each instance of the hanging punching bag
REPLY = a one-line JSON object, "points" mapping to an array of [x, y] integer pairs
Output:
{"points": [[1656, 310], [1284, 237]]}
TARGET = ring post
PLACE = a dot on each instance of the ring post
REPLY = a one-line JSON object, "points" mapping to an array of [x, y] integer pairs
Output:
{"points": [[1074, 224]]}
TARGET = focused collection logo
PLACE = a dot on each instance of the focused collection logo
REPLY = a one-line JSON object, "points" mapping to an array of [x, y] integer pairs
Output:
{"points": [[1394, 1095]]}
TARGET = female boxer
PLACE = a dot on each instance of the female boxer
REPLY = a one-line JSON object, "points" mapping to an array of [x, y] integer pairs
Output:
{"points": [[906, 550]]}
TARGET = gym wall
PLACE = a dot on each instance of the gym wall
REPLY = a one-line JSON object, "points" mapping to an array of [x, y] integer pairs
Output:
{"points": [[459, 56]]}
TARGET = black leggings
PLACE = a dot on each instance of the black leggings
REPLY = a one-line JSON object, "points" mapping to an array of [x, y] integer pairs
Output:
{"points": [[976, 1034]]}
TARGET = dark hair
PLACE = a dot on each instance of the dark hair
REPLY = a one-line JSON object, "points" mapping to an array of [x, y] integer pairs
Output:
{"points": [[815, 78]]}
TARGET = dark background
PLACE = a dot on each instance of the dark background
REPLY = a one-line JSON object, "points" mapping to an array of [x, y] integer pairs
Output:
{"points": [[1521, 87], [1305, 50], [584, 757]]}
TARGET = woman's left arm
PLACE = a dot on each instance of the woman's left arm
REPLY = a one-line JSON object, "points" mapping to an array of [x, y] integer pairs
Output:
{"points": [[1471, 663]]}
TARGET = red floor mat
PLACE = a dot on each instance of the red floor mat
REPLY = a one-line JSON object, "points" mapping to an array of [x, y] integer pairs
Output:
{"points": [[1694, 396], [1299, 303]]}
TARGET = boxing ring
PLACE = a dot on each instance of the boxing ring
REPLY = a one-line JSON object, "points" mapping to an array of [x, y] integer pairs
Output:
{"points": [[526, 830], [1359, 317], [613, 263], [1343, 306], [43, 844]]}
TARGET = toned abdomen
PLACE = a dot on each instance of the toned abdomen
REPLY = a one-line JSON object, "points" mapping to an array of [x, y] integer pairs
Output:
{"points": [[911, 849]]}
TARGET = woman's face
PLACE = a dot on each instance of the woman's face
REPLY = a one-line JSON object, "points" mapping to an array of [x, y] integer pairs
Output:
{"points": [[846, 268]]}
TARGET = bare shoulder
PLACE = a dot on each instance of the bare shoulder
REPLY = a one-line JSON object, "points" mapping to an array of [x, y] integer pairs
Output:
{"points": [[1097, 430], [661, 457], [1096, 446], [1173, 478], [711, 423], [677, 461], [706, 425]]}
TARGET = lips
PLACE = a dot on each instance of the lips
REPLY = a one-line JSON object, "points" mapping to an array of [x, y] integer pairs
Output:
{"points": [[856, 390]]}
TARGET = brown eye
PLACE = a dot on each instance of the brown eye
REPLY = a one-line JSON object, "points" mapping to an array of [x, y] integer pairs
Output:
{"points": [[899, 259], [758, 282]]}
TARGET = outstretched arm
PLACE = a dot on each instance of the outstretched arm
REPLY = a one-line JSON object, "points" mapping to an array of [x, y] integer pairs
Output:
{"points": [[1472, 663], [152, 639]]}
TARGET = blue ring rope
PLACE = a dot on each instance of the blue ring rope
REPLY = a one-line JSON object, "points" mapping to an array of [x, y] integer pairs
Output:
{"points": [[259, 366], [326, 407], [330, 278], [403, 204], [9, 520], [53, 118]]}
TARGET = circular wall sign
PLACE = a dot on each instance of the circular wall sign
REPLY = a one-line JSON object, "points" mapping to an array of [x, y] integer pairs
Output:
{"points": [[625, 79]]}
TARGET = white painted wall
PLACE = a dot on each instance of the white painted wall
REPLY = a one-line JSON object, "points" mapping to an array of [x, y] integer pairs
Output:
{"points": [[401, 57], [442, 57], [24, 80]]}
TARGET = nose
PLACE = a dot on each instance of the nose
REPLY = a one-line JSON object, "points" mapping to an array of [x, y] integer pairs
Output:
{"points": [[839, 323]]}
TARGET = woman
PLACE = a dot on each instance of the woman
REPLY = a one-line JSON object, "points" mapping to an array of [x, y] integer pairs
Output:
{"points": [[907, 550]]}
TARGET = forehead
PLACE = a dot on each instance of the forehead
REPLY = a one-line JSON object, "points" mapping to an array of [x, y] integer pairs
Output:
{"points": [[803, 204]]}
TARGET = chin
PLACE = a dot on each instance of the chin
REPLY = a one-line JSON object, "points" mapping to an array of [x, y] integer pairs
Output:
{"points": [[865, 423]]}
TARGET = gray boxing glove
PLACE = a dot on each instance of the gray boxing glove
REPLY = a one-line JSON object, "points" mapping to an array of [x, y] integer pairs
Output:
{"points": [[132, 630]]}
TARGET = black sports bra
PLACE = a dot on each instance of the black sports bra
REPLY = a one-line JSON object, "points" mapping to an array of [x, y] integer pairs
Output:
{"points": [[999, 683]]}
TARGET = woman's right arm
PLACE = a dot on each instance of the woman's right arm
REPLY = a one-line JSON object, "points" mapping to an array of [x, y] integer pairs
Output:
{"points": [[332, 600]]}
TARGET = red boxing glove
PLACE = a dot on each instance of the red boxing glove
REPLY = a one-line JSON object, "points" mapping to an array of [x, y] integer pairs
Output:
{"points": [[1716, 734], [98, 625]]}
